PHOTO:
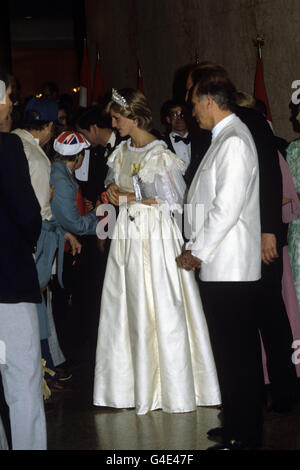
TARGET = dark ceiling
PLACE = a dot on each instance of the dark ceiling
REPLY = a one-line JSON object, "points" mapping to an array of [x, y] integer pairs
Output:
{"points": [[52, 24]]}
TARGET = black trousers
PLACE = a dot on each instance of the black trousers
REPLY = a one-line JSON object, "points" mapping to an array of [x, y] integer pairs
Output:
{"points": [[77, 322], [229, 310], [276, 333]]}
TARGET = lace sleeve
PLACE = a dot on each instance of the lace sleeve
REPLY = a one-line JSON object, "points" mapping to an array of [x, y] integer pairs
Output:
{"points": [[170, 187], [162, 174]]}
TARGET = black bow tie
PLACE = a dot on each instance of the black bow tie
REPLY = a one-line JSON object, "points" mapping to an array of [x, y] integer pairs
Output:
{"points": [[185, 140]]}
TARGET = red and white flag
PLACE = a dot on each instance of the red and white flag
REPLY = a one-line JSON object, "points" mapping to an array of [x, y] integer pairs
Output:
{"points": [[98, 89], [260, 88], [85, 80]]}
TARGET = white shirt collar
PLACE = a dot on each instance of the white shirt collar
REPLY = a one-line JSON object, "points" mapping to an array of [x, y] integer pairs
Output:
{"points": [[112, 139], [221, 124], [173, 134]]}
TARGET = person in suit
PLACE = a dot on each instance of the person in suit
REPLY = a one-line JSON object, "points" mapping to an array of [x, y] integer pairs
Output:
{"points": [[177, 137], [281, 143], [183, 138], [35, 133], [271, 315], [95, 127], [226, 246], [20, 352], [290, 211]]}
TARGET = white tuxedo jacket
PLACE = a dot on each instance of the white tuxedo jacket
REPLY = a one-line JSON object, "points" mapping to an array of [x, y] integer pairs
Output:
{"points": [[228, 238]]}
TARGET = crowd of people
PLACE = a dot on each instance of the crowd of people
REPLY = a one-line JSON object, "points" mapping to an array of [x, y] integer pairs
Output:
{"points": [[172, 257]]}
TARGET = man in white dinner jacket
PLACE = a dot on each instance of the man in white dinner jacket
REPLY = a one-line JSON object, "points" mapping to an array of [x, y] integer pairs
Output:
{"points": [[226, 246]]}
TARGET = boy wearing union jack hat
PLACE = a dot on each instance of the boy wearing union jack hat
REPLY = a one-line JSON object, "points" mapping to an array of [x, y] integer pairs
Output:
{"points": [[66, 205], [70, 212], [70, 143]]}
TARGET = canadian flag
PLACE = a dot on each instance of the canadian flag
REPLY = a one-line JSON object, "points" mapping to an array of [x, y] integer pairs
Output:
{"points": [[98, 89], [260, 88], [85, 80]]}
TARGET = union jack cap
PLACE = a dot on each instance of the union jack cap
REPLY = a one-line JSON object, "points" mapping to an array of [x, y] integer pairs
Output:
{"points": [[70, 143]]}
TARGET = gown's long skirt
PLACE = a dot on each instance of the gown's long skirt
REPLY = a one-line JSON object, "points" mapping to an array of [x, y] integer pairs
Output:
{"points": [[153, 347]]}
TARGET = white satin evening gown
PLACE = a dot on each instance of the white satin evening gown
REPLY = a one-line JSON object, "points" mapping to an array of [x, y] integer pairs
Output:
{"points": [[153, 349]]}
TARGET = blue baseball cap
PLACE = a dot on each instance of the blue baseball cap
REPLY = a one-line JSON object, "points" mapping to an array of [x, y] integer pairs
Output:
{"points": [[41, 109]]}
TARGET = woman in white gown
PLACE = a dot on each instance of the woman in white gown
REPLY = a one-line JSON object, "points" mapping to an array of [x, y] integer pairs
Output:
{"points": [[153, 349]]}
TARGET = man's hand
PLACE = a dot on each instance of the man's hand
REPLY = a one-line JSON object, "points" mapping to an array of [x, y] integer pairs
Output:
{"points": [[75, 244], [268, 248], [187, 261]]}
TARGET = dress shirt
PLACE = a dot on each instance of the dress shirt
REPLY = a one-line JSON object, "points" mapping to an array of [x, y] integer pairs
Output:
{"points": [[181, 149], [221, 124], [110, 144], [82, 173]]}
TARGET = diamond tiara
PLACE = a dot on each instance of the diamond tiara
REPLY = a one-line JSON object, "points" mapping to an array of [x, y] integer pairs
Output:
{"points": [[119, 99]]}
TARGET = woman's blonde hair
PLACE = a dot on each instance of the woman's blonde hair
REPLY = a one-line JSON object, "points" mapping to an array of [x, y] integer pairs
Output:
{"points": [[244, 99], [138, 108]]}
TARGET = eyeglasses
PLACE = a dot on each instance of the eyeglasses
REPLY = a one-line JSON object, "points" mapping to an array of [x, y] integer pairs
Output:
{"points": [[177, 114]]}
